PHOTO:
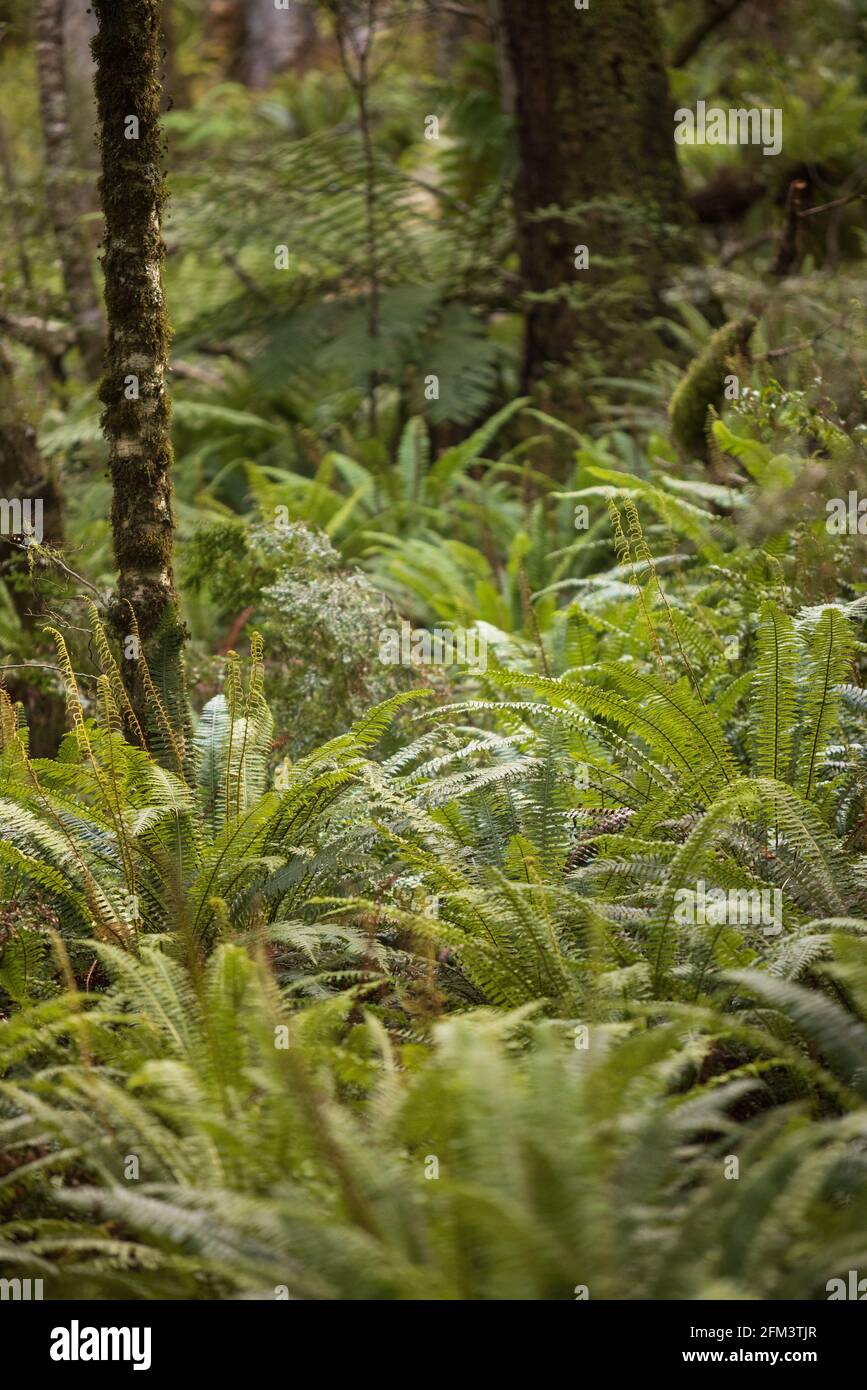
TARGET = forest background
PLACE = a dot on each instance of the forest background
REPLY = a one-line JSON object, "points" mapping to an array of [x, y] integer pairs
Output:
{"points": [[433, 781]]}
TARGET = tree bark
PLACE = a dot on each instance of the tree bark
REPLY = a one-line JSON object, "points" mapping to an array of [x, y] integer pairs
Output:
{"points": [[253, 41], [24, 474], [452, 26], [128, 56], [276, 40], [66, 197], [175, 82], [16, 221], [505, 68], [79, 28], [224, 35], [598, 169]]}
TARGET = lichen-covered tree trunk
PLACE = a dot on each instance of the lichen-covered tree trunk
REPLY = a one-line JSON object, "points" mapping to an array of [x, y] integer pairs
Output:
{"points": [[66, 197], [128, 57], [598, 170], [80, 29]]}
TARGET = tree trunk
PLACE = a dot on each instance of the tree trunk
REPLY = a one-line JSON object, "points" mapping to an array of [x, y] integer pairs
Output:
{"points": [[452, 27], [13, 201], [176, 84], [128, 57], [24, 473], [597, 170], [66, 197], [79, 27], [25, 476], [505, 69], [253, 41], [224, 35], [276, 40]]}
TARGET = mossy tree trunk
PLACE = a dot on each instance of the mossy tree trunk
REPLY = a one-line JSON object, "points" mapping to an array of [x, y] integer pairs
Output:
{"points": [[598, 169], [23, 470], [67, 198], [25, 474], [127, 50]]}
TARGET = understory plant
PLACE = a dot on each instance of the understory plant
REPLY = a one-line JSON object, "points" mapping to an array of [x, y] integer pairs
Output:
{"points": [[420, 1015]]}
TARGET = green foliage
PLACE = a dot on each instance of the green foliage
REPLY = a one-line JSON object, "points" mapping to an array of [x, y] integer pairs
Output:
{"points": [[307, 986], [507, 1163], [313, 986], [376, 283], [288, 582]]}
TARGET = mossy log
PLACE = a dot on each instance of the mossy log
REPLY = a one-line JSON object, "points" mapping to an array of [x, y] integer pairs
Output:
{"points": [[703, 387]]}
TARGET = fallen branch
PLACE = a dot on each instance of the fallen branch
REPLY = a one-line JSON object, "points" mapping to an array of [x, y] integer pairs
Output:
{"points": [[44, 666], [814, 338], [239, 623], [734, 249], [50, 337], [190, 371]]}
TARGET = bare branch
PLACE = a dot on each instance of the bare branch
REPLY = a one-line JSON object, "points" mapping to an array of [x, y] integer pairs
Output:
{"points": [[47, 336], [717, 14], [733, 249]]}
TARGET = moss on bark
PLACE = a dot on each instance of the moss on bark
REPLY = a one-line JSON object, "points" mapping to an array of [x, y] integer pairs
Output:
{"points": [[127, 50], [24, 474], [598, 167]]}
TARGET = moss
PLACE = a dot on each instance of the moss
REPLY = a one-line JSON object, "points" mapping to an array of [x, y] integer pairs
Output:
{"points": [[703, 387], [127, 51], [594, 118]]}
